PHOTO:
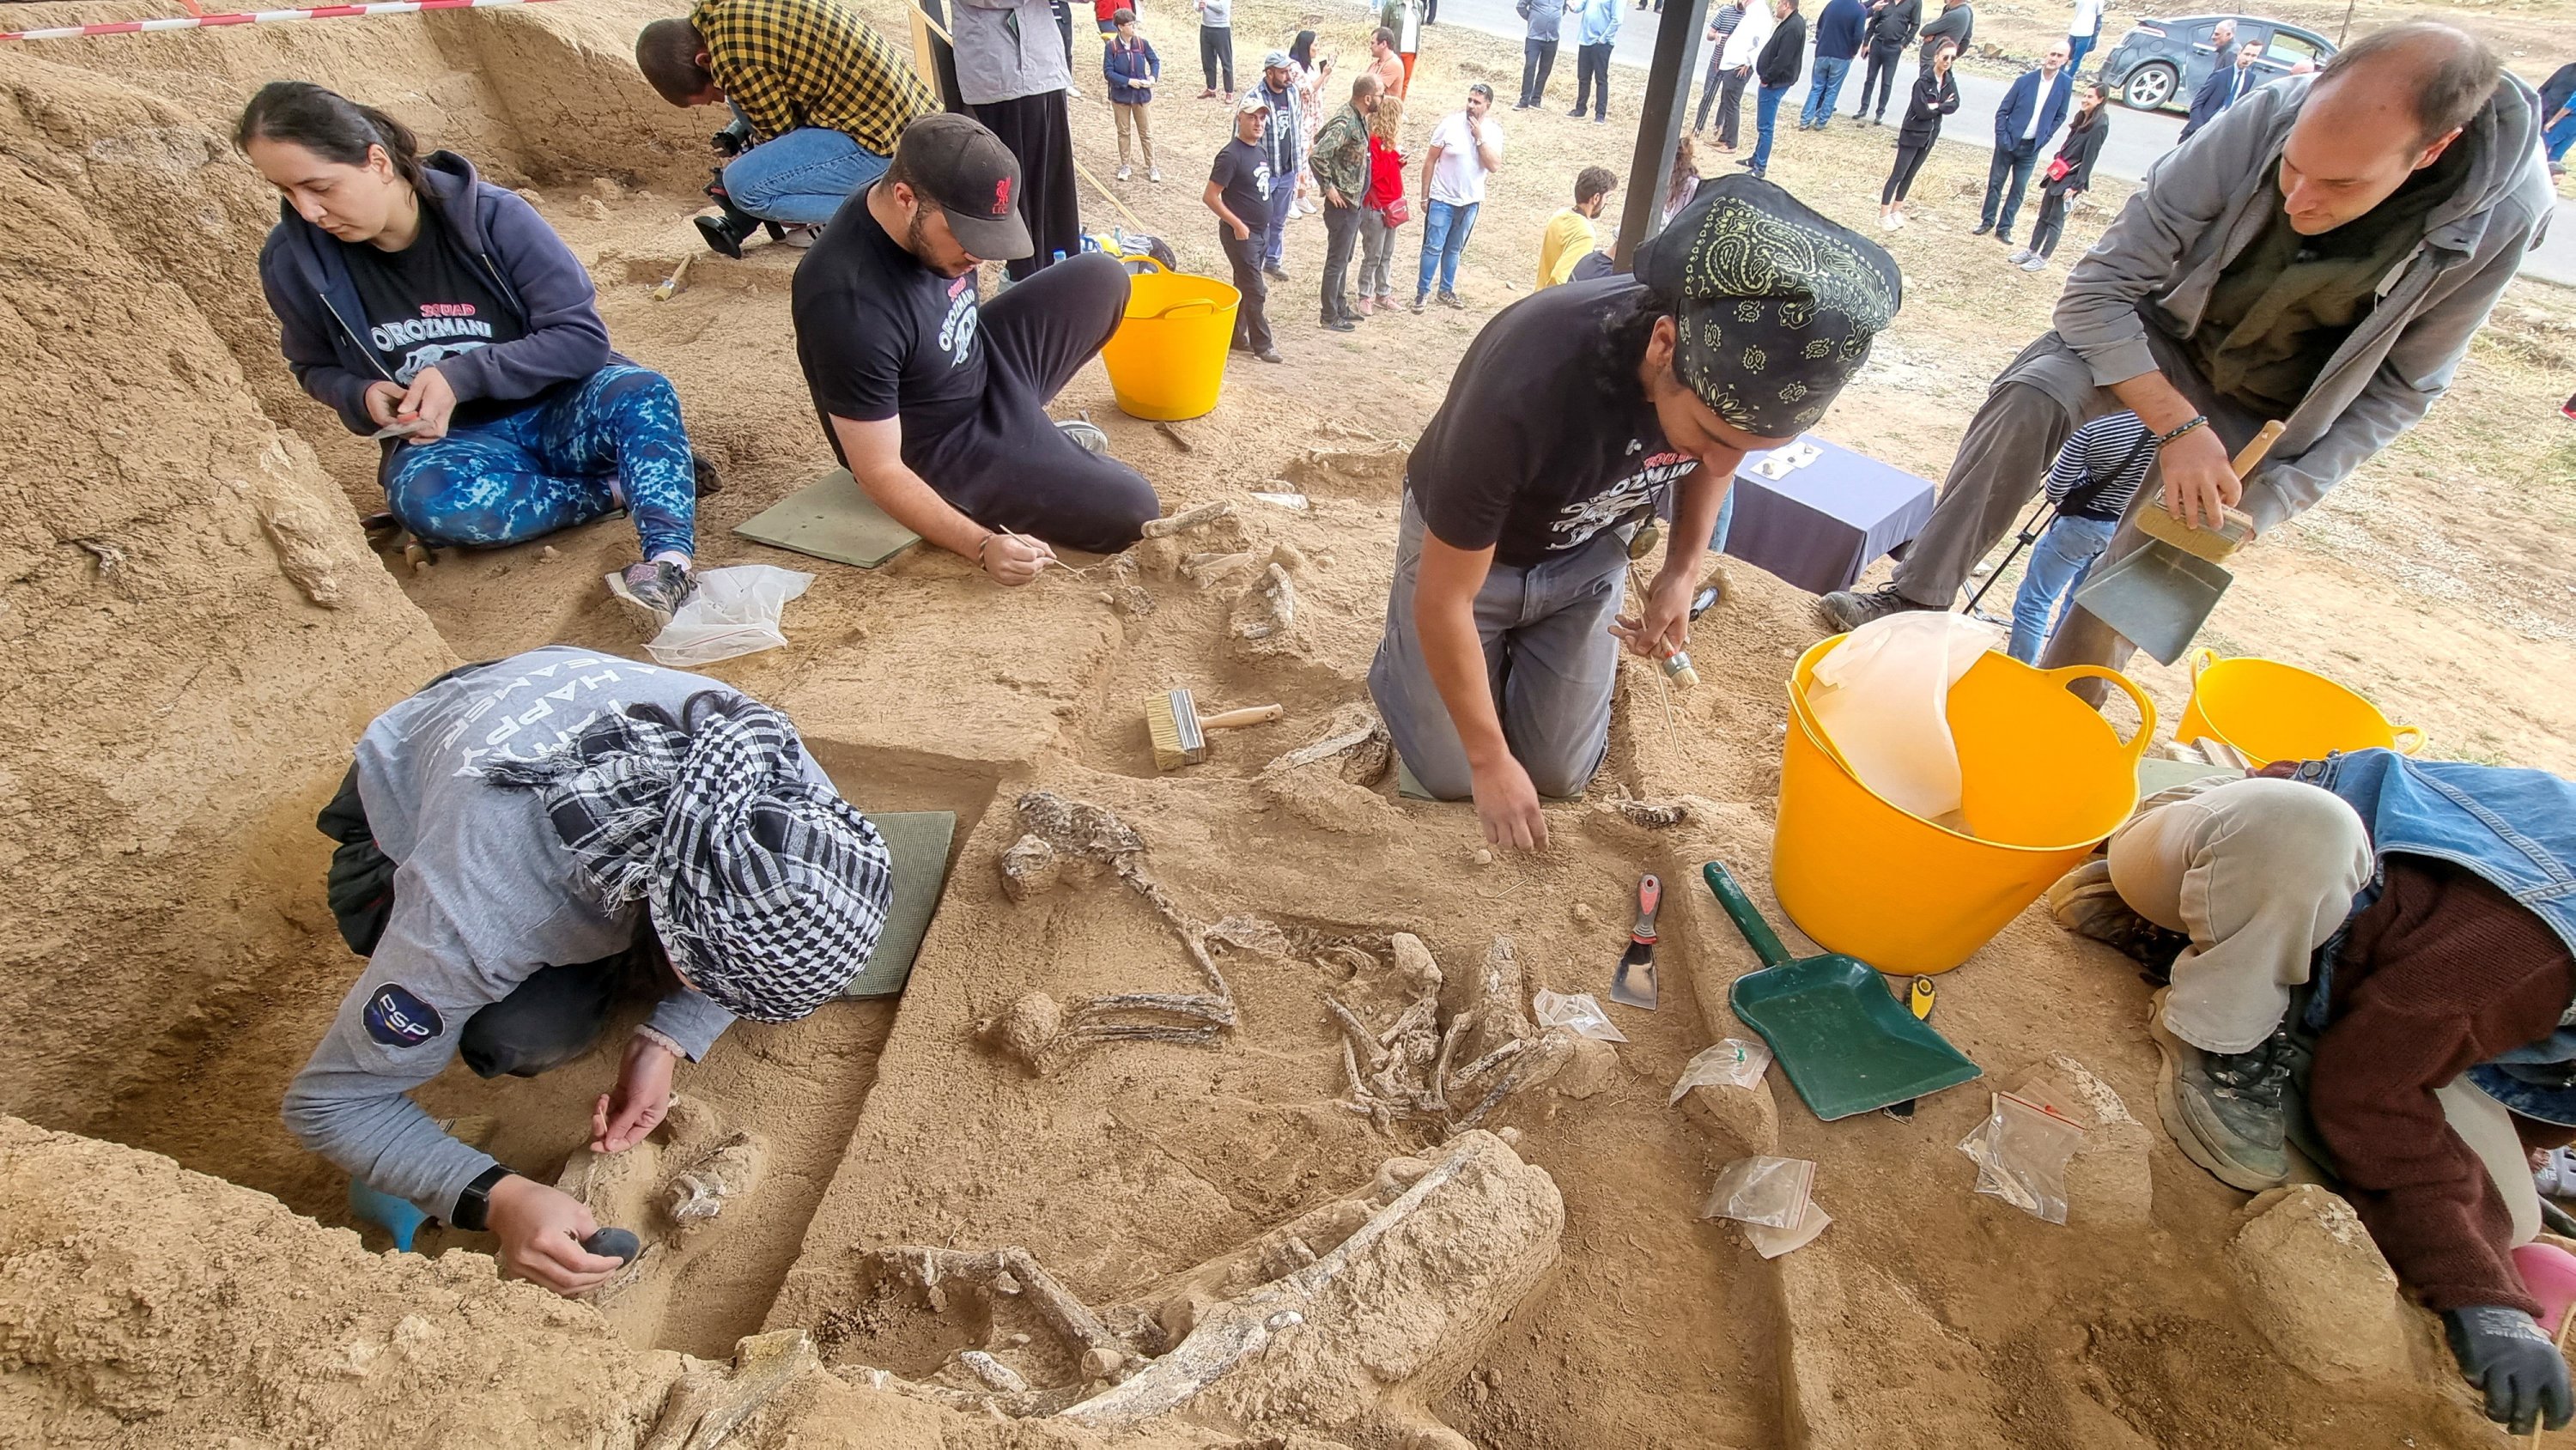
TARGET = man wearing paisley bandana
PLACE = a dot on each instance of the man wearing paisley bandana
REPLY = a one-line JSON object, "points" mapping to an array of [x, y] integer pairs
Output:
{"points": [[1577, 415]]}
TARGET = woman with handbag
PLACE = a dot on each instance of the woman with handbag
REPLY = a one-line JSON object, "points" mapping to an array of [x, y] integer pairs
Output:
{"points": [[1382, 208], [1935, 95], [2070, 172]]}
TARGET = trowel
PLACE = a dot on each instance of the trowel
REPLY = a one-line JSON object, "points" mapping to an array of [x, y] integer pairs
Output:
{"points": [[1633, 982], [2159, 596]]}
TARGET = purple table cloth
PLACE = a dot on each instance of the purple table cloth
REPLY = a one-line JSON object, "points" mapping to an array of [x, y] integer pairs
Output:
{"points": [[1820, 526]]}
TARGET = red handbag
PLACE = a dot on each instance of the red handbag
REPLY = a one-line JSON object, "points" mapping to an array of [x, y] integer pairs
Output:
{"points": [[1397, 212], [2057, 169]]}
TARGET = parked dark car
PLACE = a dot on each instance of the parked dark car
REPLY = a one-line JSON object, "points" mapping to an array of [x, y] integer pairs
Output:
{"points": [[2160, 63]]}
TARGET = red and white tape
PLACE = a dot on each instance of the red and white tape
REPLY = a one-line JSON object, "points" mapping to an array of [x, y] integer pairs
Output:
{"points": [[257, 17]]}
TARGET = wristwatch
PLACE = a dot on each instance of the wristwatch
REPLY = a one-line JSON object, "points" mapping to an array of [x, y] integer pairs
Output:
{"points": [[474, 1205]]}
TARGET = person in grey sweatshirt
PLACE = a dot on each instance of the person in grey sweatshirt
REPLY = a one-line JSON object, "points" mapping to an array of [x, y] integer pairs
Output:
{"points": [[523, 845], [1538, 50], [2320, 255]]}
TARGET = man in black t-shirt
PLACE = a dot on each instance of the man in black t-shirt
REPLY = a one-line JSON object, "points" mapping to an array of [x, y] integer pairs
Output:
{"points": [[1573, 416], [936, 404], [1238, 191]]}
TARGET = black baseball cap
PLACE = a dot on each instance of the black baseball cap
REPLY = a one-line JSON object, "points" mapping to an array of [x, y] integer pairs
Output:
{"points": [[968, 173]]}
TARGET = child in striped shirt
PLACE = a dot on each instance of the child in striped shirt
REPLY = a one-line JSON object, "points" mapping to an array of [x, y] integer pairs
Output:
{"points": [[2092, 482]]}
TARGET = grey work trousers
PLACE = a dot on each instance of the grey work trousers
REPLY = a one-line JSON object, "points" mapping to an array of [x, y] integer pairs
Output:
{"points": [[2035, 404], [1549, 657], [2259, 873]]}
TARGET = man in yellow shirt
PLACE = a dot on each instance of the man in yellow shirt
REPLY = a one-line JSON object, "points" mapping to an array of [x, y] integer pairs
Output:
{"points": [[1569, 238]]}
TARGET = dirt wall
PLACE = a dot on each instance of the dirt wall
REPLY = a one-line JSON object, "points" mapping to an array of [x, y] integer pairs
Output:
{"points": [[191, 625]]}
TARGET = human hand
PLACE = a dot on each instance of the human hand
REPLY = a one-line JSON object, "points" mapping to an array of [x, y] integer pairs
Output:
{"points": [[628, 1115], [381, 400], [1242, 233], [1507, 806], [2503, 1352], [541, 1230], [1333, 198], [1014, 559], [430, 400], [1664, 626], [2200, 479]]}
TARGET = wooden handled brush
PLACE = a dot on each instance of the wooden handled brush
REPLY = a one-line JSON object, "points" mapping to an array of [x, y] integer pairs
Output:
{"points": [[1179, 731]]}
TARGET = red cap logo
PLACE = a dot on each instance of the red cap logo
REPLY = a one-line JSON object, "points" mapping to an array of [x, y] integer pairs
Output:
{"points": [[1002, 197]]}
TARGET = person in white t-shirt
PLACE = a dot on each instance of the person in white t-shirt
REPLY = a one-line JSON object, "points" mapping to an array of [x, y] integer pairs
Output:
{"points": [[1466, 147], [2081, 32]]}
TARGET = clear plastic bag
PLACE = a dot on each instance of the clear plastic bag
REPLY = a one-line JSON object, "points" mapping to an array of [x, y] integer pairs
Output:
{"points": [[1771, 1192], [734, 611], [1580, 1014], [2021, 1151], [1733, 1062], [1771, 1243]]}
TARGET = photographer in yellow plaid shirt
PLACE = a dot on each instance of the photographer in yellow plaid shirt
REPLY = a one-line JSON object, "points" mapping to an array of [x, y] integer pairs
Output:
{"points": [[818, 101]]}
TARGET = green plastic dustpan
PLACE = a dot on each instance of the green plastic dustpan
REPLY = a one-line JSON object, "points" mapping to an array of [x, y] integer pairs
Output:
{"points": [[1846, 1042]]}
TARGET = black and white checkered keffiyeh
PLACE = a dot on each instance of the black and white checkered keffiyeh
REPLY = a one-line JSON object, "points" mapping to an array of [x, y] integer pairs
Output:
{"points": [[768, 890]]}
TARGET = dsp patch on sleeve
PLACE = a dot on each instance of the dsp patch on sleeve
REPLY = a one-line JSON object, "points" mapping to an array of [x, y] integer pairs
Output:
{"points": [[397, 1017]]}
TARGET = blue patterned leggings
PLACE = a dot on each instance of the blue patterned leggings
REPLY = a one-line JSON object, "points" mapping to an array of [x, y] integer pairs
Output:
{"points": [[611, 441]]}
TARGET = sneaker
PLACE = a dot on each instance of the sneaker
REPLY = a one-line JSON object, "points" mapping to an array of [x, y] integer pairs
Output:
{"points": [[1275, 272], [800, 238], [1208, 95], [703, 469], [1269, 354], [1847, 609], [1760, 173], [1341, 324], [1887, 223], [2019, 256], [2085, 903], [2034, 263], [2225, 1109], [1576, 113], [2556, 1176], [1900, 221], [1153, 173], [1450, 299], [659, 587], [1085, 434], [1126, 173], [1418, 301]]}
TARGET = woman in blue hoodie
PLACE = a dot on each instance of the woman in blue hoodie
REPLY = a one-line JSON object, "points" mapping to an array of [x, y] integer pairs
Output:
{"points": [[440, 313]]}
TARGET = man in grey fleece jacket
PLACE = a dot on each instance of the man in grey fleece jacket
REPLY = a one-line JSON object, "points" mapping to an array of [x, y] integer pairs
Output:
{"points": [[2321, 254], [522, 843]]}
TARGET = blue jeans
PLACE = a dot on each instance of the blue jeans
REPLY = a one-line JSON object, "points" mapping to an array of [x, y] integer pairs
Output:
{"points": [[2058, 564], [1549, 656], [2558, 138], [1822, 89], [1766, 115], [2006, 175], [1274, 242], [801, 178], [1444, 238], [1725, 521], [611, 441], [2078, 47]]}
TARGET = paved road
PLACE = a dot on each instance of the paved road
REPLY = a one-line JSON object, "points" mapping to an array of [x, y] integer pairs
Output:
{"points": [[2137, 137]]}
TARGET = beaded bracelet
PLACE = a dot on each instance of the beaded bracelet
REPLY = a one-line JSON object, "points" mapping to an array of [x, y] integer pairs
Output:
{"points": [[2198, 420]]}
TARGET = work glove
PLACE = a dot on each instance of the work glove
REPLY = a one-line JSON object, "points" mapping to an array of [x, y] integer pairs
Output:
{"points": [[2503, 1352]]}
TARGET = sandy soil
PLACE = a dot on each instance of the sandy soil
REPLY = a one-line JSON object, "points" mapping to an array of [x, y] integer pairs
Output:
{"points": [[2439, 581]]}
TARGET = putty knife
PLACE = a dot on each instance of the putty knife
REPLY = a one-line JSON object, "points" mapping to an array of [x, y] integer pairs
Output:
{"points": [[1634, 980]]}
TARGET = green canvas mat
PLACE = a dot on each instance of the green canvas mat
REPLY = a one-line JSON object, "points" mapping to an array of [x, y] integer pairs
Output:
{"points": [[917, 843], [834, 519]]}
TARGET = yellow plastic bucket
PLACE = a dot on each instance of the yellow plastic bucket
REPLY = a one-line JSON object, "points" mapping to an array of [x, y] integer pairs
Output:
{"points": [[2268, 711], [1167, 358], [2045, 778]]}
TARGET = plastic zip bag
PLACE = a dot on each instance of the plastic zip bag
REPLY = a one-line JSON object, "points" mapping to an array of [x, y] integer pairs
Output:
{"points": [[733, 611], [1733, 1062], [1771, 1243], [1770, 1192], [2021, 1151], [1580, 1014]]}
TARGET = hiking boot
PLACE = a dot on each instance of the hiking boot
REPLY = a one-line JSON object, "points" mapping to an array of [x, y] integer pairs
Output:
{"points": [[2225, 1109], [1085, 434], [1848, 609], [2085, 903], [659, 586]]}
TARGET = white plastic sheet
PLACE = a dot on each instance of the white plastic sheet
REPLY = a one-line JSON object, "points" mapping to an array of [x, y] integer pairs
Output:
{"points": [[1882, 697], [735, 611]]}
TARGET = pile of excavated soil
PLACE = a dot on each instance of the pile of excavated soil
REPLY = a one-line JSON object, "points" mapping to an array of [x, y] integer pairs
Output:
{"points": [[197, 634]]}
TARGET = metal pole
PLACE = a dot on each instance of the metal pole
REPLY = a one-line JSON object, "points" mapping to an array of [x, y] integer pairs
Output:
{"points": [[943, 57], [1659, 123], [2347, 23]]}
